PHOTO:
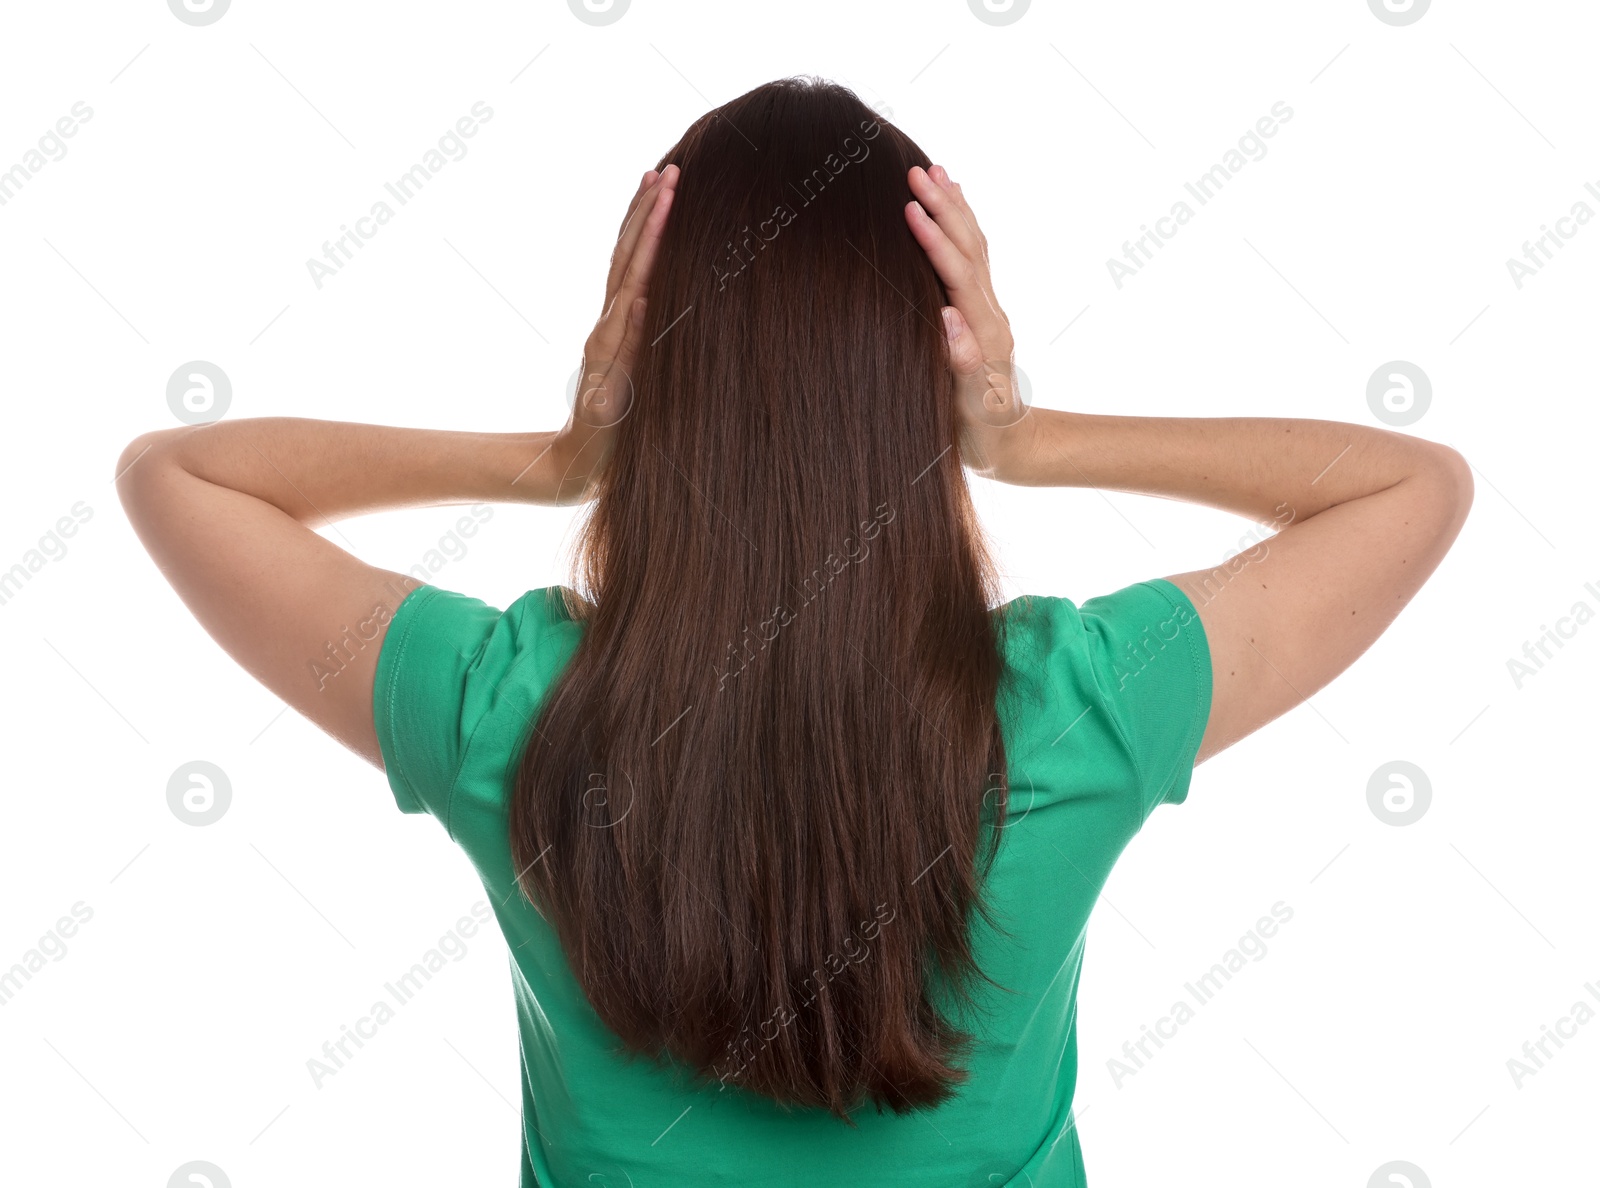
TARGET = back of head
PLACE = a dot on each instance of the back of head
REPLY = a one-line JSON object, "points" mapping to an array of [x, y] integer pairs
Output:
{"points": [[757, 795]]}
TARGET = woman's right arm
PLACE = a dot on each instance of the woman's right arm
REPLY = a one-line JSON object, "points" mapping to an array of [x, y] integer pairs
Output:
{"points": [[1363, 515]]}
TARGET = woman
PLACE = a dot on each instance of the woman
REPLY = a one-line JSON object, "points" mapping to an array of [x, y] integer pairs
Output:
{"points": [[792, 831]]}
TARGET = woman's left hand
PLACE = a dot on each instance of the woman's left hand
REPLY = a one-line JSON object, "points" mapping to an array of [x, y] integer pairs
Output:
{"points": [[605, 385]]}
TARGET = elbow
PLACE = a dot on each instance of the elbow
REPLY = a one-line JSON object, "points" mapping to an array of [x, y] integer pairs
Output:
{"points": [[1450, 475], [139, 453], [141, 460], [1458, 474]]}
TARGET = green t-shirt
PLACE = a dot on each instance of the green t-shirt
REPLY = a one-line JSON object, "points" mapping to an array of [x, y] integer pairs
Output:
{"points": [[1102, 709]]}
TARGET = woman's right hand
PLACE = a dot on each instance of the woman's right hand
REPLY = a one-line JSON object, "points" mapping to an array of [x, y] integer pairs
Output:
{"points": [[994, 421]]}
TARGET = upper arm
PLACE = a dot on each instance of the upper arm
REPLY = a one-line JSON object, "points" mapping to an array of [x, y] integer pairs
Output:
{"points": [[1286, 617], [301, 615]]}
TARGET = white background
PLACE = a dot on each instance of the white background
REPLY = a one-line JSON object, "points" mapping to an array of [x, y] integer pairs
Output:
{"points": [[177, 226]]}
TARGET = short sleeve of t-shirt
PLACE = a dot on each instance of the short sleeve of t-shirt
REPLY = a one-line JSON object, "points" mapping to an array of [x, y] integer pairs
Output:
{"points": [[1149, 655], [426, 696], [443, 679]]}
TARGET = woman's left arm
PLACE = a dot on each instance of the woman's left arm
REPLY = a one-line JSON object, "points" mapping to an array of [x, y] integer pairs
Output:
{"points": [[228, 512]]}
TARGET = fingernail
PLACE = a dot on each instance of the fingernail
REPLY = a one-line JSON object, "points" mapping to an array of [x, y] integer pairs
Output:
{"points": [[637, 312], [952, 323]]}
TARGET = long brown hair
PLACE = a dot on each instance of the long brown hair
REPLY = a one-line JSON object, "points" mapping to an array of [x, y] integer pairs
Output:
{"points": [[755, 805]]}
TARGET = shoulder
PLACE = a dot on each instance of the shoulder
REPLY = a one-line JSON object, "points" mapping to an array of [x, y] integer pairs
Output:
{"points": [[456, 674], [1124, 676], [438, 622], [1110, 635]]}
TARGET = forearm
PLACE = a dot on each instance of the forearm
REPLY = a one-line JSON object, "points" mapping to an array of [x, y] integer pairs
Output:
{"points": [[321, 471], [1266, 468]]}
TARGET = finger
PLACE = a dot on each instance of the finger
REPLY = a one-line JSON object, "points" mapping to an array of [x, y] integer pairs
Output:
{"points": [[632, 333], [642, 258], [953, 188], [628, 237], [954, 215], [964, 279], [942, 175], [950, 211], [623, 244], [966, 356], [645, 182], [650, 220]]}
